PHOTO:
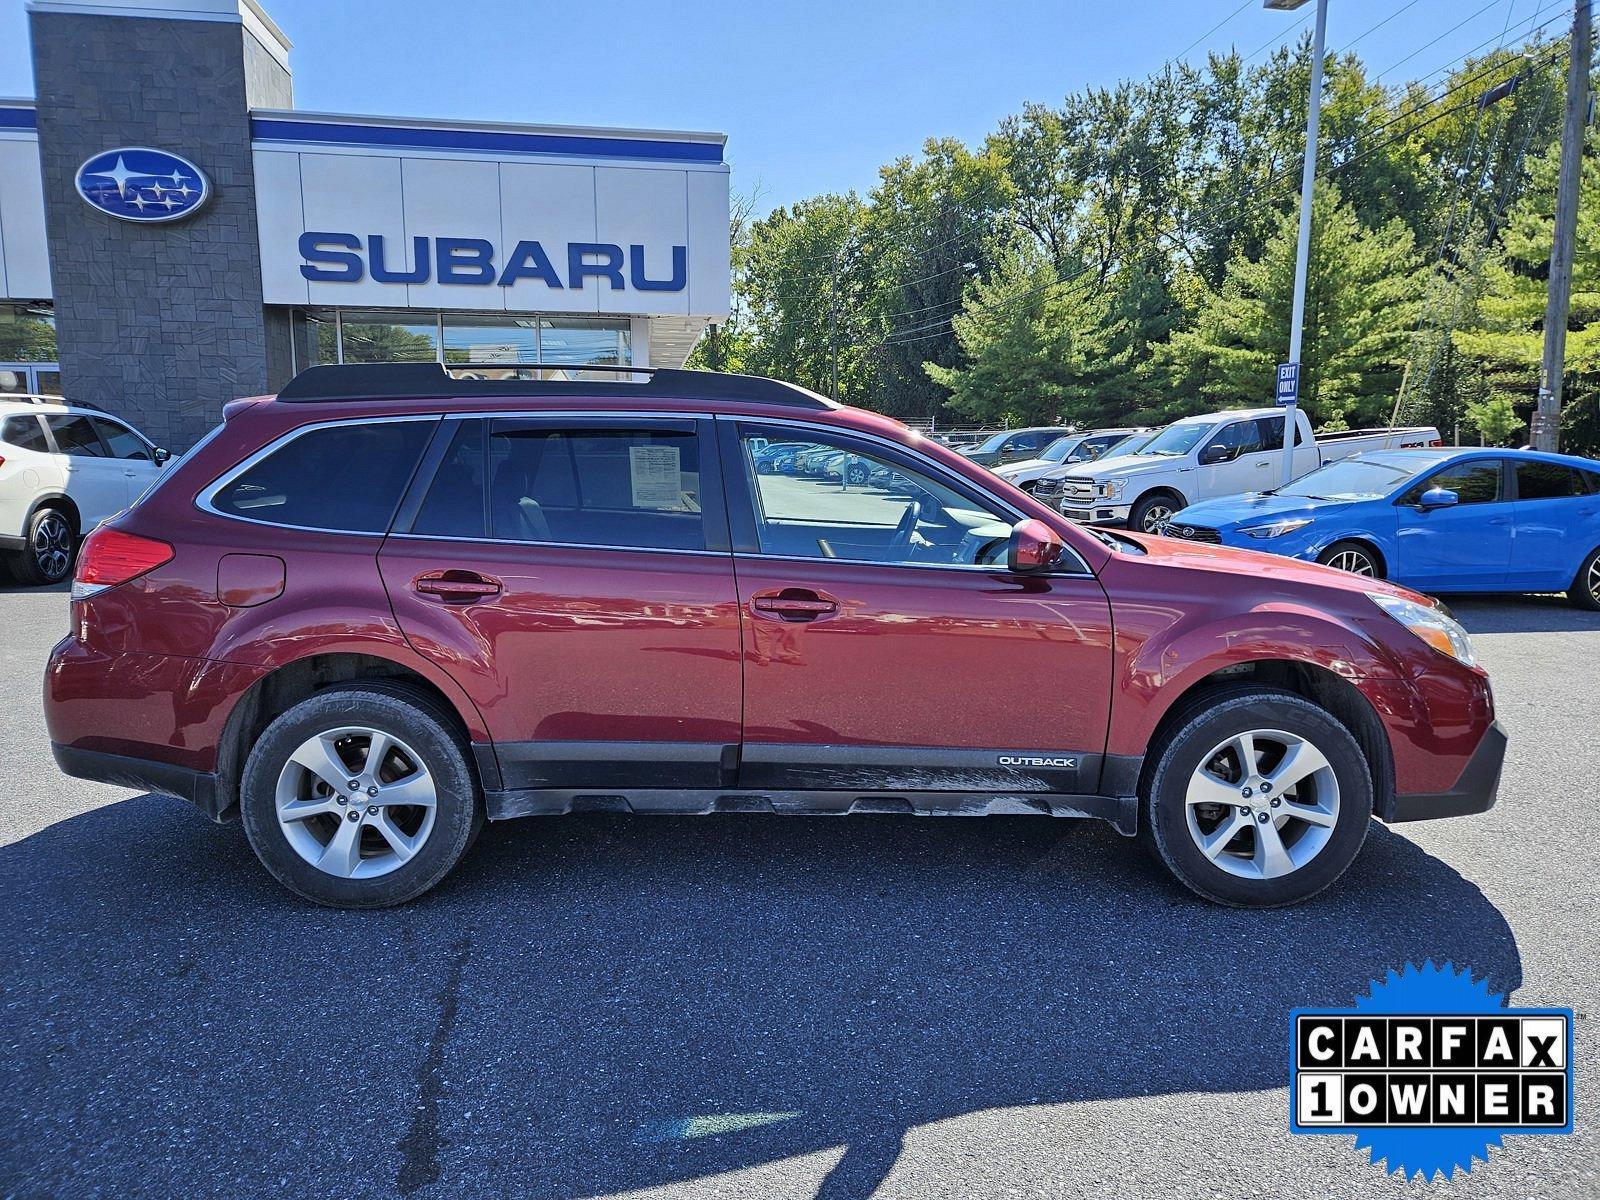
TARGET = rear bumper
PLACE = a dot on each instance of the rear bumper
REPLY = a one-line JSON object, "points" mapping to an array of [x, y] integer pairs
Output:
{"points": [[1474, 792], [199, 788]]}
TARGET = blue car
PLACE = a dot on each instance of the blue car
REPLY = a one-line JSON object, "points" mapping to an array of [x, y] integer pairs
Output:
{"points": [[1450, 520]]}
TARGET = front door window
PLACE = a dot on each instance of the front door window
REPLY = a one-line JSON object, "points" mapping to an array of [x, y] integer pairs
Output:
{"points": [[837, 500]]}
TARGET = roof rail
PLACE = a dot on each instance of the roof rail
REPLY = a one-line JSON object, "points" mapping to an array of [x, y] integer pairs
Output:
{"points": [[396, 381], [50, 398]]}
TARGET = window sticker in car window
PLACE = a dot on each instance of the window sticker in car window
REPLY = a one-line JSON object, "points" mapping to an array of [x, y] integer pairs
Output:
{"points": [[656, 476]]}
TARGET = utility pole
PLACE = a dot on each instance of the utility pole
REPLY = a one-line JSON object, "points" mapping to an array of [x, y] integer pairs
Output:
{"points": [[1547, 417], [1308, 178]]}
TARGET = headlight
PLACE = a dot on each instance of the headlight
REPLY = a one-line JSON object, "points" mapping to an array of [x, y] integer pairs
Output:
{"points": [[1277, 528], [1433, 625], [1105, 489]]}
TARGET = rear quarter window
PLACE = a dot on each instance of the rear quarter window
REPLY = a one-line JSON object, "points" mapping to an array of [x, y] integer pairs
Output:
{"points": [[24, 432], [343, 478]]}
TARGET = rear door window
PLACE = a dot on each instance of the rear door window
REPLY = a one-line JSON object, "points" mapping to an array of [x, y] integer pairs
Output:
{"points": [[75, 435], [1548, 481], [607, 485], [339, 478]]}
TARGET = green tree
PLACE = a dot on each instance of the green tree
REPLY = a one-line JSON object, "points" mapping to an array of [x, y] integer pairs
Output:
{"points": [[1506, 336], [1362, 298], [1036, 349], [1496, 419]]}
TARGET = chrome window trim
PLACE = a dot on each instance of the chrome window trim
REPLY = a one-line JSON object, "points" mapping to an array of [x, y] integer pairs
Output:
{"points": [[935, 469], [205, 501]]}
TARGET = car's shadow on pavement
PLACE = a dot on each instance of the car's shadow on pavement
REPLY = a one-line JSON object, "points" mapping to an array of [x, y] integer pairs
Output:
{"points": [[1521, 614], [593, 1004]]}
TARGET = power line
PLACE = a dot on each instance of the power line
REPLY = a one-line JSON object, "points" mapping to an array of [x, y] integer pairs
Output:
{"points": [[1404, 114]]}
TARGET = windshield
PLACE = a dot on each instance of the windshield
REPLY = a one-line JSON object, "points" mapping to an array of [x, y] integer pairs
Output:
{"points": [[1349, 479], [1134, 443], [1176, 439], [992, 443], [1058, 450]]}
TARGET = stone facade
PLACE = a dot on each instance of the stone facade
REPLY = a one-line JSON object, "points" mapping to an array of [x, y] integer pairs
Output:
{"points": [[161, 323]]}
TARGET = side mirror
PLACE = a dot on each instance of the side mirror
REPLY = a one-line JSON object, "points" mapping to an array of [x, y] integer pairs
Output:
{"points": [[161, 455], [1033, 547], [1216, 453], [1437, 497]]}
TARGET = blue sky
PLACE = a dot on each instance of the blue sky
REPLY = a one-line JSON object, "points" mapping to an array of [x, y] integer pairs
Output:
{"points": [[814, 96]]}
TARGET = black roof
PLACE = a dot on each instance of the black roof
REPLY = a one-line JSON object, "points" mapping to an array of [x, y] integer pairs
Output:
{"points": [[397, 381]]}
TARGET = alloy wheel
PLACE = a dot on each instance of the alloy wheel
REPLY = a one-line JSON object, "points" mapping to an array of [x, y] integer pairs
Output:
{"points": [[1262, 804], [52, 546], [1156, 517], [356, 802], [1354, 561], [1594, 578]]}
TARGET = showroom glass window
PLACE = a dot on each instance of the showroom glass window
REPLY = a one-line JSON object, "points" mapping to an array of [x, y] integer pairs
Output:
{"points": [[838, 500], [610, 487], [344, 478], [376, 337]]}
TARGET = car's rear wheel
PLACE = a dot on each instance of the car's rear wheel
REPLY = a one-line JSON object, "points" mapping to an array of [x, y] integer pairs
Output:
{"points": [[1585, 589], [52, 544], [1353, 557], [1258, 798], [1152, 513], [360, 796]]}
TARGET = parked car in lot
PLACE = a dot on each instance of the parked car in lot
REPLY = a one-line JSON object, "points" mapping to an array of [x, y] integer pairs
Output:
{"points": [[1012, 445], [777, 458], [63, 468], [1217, 454], [1062, 453], [387, 604], [1437, 520]]}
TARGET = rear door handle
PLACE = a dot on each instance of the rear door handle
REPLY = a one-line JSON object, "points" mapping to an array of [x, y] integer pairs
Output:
{"points": [[794, 604], [456, 587]]}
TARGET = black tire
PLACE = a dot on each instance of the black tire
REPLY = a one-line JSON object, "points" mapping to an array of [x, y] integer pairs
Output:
{"points": [[1153, 509], [1208, 722], [1585, 589], [52, 549], [1355, 558], [857, 474], [415, 719]]}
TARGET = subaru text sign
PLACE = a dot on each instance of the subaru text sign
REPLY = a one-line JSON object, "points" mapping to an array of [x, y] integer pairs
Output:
{"points": [[1288, 382], [334, 257], [135, 183]]}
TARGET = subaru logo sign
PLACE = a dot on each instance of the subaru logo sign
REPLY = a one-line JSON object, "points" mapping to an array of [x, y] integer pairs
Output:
{"points": [[133, 183]]}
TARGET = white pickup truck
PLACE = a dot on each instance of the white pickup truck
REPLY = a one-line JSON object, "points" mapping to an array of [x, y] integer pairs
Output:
{"points": [[1198, 458]]}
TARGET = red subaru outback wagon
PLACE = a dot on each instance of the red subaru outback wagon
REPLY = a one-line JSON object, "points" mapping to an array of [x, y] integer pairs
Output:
{"points": [[387, 604]]}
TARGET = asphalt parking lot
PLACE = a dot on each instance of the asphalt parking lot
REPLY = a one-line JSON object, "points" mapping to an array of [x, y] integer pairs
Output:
{"points": [[747, 1006]]}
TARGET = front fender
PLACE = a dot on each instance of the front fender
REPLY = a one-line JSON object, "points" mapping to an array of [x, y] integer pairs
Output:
{"points": [[1163, 653]]}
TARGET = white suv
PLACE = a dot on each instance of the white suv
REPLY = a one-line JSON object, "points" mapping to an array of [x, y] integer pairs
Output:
{"points": [[64, 468]]}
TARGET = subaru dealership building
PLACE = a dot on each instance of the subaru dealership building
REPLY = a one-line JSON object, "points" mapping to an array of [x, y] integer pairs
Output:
{"points": [[174, 233]]}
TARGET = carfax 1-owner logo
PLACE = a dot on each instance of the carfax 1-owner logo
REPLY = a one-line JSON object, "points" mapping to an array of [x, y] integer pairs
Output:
{"points": [[1430, 1070]]}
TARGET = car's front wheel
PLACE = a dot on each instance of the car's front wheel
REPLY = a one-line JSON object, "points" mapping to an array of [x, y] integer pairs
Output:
{"points": [[1258, 798], [1153, 512], [1353, 557], [360, 796]]}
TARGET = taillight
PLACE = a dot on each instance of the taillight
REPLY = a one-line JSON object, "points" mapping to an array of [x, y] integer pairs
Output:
{"points": [[110, 557]]}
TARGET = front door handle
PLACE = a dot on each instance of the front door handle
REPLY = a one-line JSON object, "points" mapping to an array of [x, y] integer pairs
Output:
{"points": [[456, 587], [794, 604]]}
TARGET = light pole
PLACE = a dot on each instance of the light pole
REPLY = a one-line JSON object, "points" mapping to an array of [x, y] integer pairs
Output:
{"points": [[1308, 177]]}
